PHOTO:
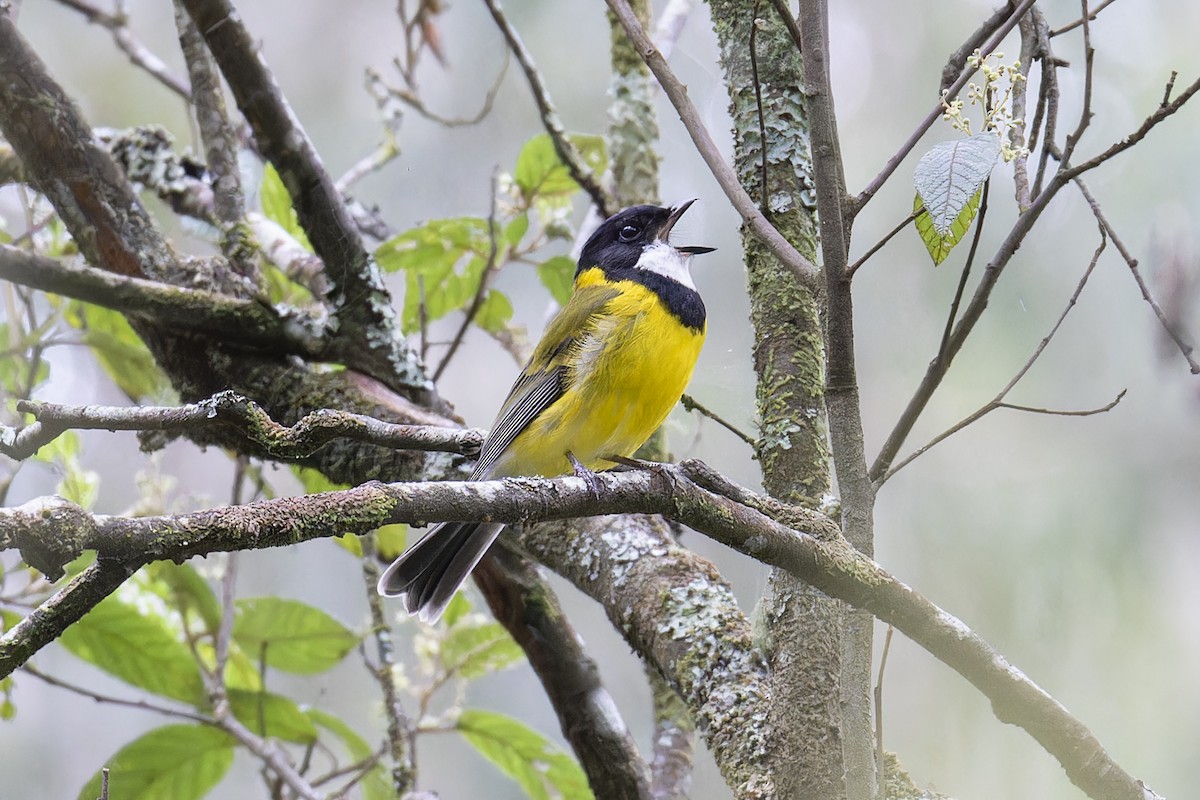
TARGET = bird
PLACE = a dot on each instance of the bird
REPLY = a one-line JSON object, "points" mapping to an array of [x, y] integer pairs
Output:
{"points": [[609, 368]]}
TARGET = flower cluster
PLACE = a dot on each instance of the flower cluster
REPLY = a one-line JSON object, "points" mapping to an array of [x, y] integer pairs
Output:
{"points": [[994, 96]]}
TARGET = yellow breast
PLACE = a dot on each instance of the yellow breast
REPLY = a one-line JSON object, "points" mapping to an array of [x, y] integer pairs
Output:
{"points": [[626, 376]]}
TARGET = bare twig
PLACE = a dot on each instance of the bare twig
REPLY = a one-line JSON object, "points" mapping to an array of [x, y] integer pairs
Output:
{"points": [[100, 697], [875, 248], [566, 150], [1088, 16], [957, 62], [692, 404], [480, 291], [966, 271], [879, 750], [400, 731], [804, 270], [892, 163], [1185, 347], [118, 25], [998, 400], [1085, 112], [227, 409]]}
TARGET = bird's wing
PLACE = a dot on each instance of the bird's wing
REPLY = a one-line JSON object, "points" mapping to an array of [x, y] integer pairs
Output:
{"points": [[546, 377]]}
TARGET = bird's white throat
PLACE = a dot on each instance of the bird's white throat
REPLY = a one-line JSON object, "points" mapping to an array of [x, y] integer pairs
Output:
{"points": [[665, 260]]}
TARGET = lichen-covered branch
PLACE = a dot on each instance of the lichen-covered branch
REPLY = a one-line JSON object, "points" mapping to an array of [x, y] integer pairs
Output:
{"points": [[186, 309], [359, 299], [659, 595], [231, 412]]}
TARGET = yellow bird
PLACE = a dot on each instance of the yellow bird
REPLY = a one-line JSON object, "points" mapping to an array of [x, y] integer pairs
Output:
{"points": [[607, 371]]}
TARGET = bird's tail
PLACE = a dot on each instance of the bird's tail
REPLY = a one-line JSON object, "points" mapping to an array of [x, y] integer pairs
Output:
{"points": [[429, 573]]}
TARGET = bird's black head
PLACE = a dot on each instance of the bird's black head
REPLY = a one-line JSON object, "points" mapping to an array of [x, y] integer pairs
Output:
{"points": [[618, 244]]}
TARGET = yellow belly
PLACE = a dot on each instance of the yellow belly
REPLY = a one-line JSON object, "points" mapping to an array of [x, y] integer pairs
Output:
{"points": [[626, 380]]}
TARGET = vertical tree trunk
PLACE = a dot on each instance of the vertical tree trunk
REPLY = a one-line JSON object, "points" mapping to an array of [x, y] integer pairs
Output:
{"points": [[803, 625]]}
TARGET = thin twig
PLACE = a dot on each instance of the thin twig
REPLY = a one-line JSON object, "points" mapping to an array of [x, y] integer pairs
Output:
{"points": [[804, 270], [998, 400], [1085, 112], [875, 248], [480, 291], [139, 54], [691, 404], [879, 750], [100, 697], [1088, 17], [966, 271], [400, 732], [892, 163], [563, 146], [1185, 347]]}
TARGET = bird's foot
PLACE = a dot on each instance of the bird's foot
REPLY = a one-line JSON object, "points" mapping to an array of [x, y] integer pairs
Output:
{"points": [[589, 477]]}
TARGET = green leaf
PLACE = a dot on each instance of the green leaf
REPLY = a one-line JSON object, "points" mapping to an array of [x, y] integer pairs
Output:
{"points": [[459, 607], [79, 485], [474, 650], [315, 482], [558, 275], [515, 231], [948, 179], [494, 312], [390, 540], [277, 206], [443, 261], [524, 755], [273, 715], [133, 641], [182, 587], [119, 350], [539, 172], [8, 709], [296, 636], [175, 762], [376, 785], [939, 245]]}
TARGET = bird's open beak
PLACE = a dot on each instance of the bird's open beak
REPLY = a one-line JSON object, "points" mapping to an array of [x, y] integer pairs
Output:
{"points": [[674, 216]]}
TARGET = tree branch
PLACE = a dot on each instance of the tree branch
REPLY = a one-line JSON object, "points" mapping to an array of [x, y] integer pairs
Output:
{"points": [[370, 338], [825, 560], [804, 270], [228, 411], [201, 311], [567, 152]]}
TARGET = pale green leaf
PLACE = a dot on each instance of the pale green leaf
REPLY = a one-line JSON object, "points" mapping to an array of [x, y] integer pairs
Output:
{"points": [[541, 768], [474, 650], [558, 275], [494, 312], [939, 245], [277, 206], [119, 350], [390, 540], [273, 715], [540, 172], [132, 641], [175, 762], [293, 636]]}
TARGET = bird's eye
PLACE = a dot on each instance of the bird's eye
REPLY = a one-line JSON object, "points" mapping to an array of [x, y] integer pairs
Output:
{"points": [[629, 233]]}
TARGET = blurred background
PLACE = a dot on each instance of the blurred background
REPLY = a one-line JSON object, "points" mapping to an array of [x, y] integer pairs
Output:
{"points": [[1070, 544]]}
